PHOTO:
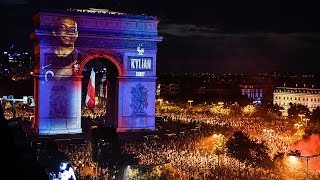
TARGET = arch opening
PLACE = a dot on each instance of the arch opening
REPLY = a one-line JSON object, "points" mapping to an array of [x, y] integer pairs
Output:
{"points": [[102, 55], [106, 90]]}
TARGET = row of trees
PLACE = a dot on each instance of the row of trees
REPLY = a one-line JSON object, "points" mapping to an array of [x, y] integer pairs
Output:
{"points": [[266, 111]]}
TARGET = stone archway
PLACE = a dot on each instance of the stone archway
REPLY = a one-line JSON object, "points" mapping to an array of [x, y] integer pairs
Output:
{"points": [[101, 54], [66, 40], [109, 86]]}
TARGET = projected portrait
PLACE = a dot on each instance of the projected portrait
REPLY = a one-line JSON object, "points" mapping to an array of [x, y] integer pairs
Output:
{"points": [[65, 59]]}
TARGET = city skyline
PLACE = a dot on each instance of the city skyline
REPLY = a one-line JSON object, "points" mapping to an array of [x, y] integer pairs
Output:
{"points": [[223, 37]]}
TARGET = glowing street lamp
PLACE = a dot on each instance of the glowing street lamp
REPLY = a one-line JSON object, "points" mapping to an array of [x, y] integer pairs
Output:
{"points": [[160, 101], [298, 154], [294, 161], [217, 135], [301, 115], [221, 103], [297, 125], [190, 101], [282, 111], [306, 120]]}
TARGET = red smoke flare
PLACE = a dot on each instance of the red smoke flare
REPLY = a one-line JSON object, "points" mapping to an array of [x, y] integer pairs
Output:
{"points": [[309, 147]]}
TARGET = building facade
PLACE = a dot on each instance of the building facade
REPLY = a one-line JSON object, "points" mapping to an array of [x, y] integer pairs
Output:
{"points": [[254, 92], [308, 97]]}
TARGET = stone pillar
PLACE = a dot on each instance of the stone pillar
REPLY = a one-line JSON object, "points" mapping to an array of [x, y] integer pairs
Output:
{"points": [[59, 110], [136, 108]]}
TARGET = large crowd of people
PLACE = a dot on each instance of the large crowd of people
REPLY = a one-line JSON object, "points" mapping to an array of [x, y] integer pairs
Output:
{"points": [[192, 155], [185, 147]]}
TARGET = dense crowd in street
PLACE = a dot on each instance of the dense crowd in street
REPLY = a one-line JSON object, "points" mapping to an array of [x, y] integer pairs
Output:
{"points": [[192, 155], [28, 113], [185, 147]]}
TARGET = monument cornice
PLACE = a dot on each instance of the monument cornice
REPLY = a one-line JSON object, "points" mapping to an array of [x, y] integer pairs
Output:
{"points": [[88, 12], [102, 23], [91, 35]]}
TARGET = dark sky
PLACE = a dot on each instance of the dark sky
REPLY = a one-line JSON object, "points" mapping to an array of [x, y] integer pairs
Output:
{"points": [[204, 36]]}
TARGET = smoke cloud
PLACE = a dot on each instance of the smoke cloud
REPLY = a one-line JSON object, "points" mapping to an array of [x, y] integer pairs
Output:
{"points": [[309, 147]]}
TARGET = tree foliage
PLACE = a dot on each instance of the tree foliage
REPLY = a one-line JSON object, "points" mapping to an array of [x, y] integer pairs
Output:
{"points": [[243, 100], [247, 151], [315, 117], [235, 110], [296, 109]]}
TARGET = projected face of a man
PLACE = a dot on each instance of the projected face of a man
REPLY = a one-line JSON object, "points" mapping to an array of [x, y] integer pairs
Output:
{"points": [[67, 31]]}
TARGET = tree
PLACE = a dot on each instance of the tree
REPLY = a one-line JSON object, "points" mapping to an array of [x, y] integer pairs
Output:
{"points": [[238, 146], [296, 109], [276, 109], [243, 100], [235, 110], [260, 156], [314, 126], [315, 117], [248, 151]]}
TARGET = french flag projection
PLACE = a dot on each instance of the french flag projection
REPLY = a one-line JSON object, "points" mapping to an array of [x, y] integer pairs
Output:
{"points": [[90, 98]]}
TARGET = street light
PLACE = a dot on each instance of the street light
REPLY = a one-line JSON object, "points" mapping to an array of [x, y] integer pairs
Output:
{"points": [[282, 111], [306, 120], [221, 103], [298, 154], [190, 101], [297, 125], [301, 115], [160, 101]]}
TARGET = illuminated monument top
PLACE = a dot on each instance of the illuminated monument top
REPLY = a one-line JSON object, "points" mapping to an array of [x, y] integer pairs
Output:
{"points": [[107, 12], [65, 41]]}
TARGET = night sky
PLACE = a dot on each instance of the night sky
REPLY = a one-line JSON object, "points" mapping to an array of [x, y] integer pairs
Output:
{"points": [[204, 36]]}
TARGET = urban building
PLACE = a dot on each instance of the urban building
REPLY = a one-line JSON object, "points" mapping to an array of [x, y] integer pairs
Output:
{"points": [[308, 97], [16, 64], [254, 92]]}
